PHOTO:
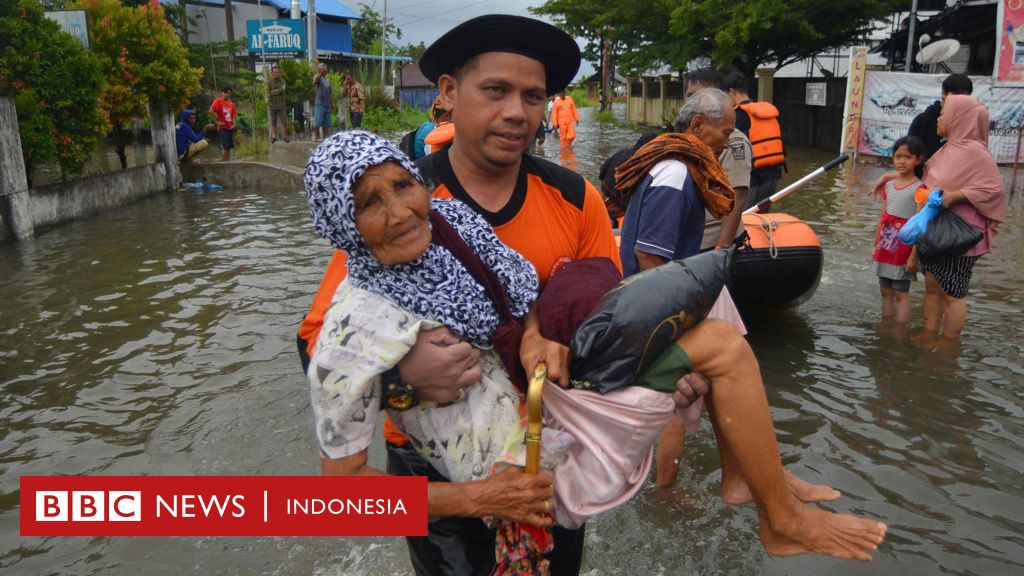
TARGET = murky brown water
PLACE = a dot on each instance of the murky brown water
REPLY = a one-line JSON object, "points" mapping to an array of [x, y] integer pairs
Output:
{"points": [[159, 339]]}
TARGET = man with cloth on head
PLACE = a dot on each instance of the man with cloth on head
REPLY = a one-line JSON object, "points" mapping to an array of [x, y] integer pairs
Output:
{"points": [[676, 176], [494, 74], [735, 161]]}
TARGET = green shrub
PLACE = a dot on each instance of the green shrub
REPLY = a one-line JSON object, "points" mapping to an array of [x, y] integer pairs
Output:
{"points": [[56, 84], [579, 94], [606, 116], [387, 119]]}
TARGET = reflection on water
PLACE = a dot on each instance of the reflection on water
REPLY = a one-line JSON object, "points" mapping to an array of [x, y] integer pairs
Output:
{"points": [[158, 339]]}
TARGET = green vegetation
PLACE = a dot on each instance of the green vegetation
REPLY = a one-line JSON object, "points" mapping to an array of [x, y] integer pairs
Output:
{"points": [[606, 116], [55, 83], [142, 58], [579, 95], [382, 119], [746, 33]]}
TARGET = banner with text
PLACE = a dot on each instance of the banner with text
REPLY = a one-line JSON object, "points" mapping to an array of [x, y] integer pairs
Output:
{"points": [[276, 39], [893, 99], [223, 506], [1009, 68], [854, 98]]}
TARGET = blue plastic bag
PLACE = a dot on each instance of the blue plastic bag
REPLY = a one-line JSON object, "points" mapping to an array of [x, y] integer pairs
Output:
{"points": [[202, 186], [918, 223]]}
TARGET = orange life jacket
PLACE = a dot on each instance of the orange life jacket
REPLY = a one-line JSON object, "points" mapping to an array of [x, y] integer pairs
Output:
{"points": [[439, 136], [765, 134]]}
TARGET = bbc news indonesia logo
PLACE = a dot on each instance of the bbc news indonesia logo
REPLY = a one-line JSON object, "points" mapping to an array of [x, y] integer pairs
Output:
{"points": [[223, 506]]}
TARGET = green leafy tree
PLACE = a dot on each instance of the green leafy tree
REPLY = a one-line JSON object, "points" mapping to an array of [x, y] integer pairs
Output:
{"points": [[298, 80], [414, 51], [744, 33], [55, 83], [142, 59], [367, 33]]}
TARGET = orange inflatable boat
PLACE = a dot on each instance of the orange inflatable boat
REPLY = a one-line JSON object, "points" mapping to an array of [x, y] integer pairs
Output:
{"points": [[779, 266]]}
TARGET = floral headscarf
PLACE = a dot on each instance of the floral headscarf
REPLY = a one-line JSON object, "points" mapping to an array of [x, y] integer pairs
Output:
{"points": [[436, 285]]}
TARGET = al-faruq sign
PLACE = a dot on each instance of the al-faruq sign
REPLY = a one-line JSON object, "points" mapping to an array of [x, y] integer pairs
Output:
{"points": [[276, 39]]}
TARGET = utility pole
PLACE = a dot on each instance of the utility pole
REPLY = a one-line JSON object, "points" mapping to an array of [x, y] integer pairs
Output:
{"points": [[605, 70], [910, 35], [229, 19], [383, 45], [311, 30]]}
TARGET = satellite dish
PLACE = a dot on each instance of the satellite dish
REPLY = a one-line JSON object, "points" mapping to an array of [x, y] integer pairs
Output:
{"points": [[938, 51]]}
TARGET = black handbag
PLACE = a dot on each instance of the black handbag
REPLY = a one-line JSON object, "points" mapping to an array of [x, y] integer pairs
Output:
{"points": [[947, 236]]}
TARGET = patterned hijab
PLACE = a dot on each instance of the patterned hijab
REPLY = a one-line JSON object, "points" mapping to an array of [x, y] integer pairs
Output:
{"points": [[435, 286]]}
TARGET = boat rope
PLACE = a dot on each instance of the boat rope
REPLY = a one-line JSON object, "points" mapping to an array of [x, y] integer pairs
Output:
{"points": [[769, 226]]}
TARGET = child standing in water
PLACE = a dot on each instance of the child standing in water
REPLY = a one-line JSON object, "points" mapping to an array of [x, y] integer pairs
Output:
{"points": [[895, 263]]}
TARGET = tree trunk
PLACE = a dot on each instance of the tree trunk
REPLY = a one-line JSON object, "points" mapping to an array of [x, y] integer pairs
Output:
{"points": [[229, 20], [120, 144]]}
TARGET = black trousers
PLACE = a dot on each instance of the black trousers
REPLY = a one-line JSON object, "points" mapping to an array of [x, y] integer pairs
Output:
{"points": [[465, 546]]}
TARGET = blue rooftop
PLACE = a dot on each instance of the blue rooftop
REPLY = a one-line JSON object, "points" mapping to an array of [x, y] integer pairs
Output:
{"points": [[323, 7]]}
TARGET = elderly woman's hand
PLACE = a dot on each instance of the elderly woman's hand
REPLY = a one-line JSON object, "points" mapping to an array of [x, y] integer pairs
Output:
{"points": [[439, 366], [512, 495]]}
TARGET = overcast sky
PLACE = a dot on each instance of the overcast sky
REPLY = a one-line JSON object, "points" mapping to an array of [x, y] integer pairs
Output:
{"points": [[426, 20]]}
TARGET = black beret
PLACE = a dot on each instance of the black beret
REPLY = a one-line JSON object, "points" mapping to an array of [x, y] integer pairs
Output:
{"points": [[535, 39]]}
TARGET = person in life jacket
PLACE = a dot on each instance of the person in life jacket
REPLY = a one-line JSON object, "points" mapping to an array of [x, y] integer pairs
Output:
{"points": [[565, 116], [760, 122]]}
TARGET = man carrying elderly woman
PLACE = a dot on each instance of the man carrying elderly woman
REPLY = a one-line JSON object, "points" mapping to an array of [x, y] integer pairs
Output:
{"points": [[414, 264]]}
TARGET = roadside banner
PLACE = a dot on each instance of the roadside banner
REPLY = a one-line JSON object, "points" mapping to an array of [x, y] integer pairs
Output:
{"points": [[276, 39], [72, 22], [1009, 67], [892, 100], [854, 99]]}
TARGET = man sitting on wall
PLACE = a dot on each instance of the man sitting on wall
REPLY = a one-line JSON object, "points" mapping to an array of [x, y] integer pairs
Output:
{"points": [[189, 142]]}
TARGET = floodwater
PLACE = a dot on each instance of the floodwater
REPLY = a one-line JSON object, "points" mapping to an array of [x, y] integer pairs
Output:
{"points": [[158, 339]]}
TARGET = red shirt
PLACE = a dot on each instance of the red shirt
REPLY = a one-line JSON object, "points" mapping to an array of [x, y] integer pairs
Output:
{"points": [[225, 111]]}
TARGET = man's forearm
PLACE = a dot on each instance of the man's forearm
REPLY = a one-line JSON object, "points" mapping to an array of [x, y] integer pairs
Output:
{"points": [[647, 261], [731, 221]]}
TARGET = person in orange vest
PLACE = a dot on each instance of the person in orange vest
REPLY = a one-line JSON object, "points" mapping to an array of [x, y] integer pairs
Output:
{"points": [[566, 117], [760, 122]]}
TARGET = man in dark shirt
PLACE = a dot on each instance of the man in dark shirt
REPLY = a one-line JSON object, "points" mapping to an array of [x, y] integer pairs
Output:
{"points": [[765, 179], [925, 124]]}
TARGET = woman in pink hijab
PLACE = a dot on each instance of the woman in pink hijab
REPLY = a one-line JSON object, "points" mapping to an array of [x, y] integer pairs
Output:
{"points": [[972, 188]]}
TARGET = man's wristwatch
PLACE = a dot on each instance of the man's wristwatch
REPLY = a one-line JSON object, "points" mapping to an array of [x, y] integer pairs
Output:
{"points": [[397, 395]]}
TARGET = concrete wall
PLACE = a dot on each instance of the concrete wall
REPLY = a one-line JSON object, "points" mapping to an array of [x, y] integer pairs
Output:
{"points": [[250, 175], [58, 203], [658, 101], [23, 210]]}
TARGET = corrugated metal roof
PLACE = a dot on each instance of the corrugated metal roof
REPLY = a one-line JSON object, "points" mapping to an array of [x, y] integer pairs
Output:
{"points": [[323, 7]]}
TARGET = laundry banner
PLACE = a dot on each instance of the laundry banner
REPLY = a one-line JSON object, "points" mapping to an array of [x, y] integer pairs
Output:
{"points": [[854, 98], [1009, 69], [223, 506], [893, 99]]}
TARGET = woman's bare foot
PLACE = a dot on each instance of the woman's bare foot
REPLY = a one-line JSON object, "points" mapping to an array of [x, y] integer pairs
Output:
{"points": [[736, 492], [812, 531]]}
